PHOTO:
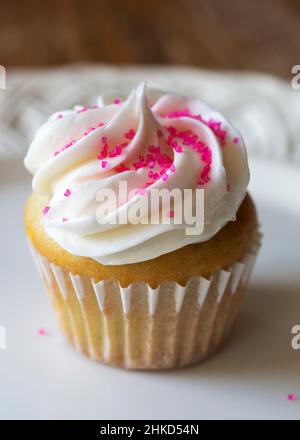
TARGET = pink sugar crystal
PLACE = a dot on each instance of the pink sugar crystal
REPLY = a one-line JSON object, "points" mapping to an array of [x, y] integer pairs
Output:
{"points": [[214, 125], [130, 134], [41, 331], [178, 149], [118, 150], [83, 109], [45, 210], [89, 130], [65, 147], [67, 193], [121, 168]]}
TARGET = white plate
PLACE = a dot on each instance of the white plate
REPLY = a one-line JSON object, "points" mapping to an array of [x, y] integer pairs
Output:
{"points": [[42, 377]]}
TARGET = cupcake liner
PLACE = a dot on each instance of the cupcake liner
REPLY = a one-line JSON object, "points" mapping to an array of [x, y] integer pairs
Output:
{"points": [[138, 327]]}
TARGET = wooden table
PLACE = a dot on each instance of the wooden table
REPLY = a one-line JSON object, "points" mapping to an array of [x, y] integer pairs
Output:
{"points": [[258, 35]]}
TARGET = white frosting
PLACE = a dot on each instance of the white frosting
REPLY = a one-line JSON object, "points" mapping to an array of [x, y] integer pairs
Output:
{"points": [[71, 176]]}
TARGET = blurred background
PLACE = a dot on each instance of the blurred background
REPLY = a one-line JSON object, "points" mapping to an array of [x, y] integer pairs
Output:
{"points": [[235, 54], [260, 35]]}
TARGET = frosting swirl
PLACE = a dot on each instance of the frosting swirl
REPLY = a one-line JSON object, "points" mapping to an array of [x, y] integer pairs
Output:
{"points": [[150, 140]]}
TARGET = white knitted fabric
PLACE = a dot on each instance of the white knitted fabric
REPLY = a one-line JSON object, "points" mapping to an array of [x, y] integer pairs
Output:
{"points": [[266, 110]]}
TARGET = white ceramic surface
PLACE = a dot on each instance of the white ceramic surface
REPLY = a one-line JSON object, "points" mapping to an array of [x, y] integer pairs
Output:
{"points": [[42, 377]]}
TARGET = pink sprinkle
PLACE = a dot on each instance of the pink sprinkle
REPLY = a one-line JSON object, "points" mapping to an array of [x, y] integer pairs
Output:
{"points": [[45, 210], [103, 163], [138, 165], [103, 153], [165, 177], [235, 140], [67, 193], [65, 219], [215, 126], [118, 150], [65, 147], [172, 131], [130, 134], [89, 130], [59, 116], [159, 133], [171, 214], [147, 184], [121, 168], [42, 332], [117, 101], [83, 109], [178, 149], [191, 140], [292, 397]]}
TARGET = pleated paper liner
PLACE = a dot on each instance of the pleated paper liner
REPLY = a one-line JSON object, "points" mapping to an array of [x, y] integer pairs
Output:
{"points": [[143, 328]]}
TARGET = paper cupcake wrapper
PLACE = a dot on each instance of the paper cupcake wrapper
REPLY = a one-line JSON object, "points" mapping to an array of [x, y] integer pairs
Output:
{"points": [[138, 327]]}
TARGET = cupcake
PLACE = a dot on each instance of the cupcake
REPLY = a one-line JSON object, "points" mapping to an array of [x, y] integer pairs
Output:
{"points": [[138, 281]]}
